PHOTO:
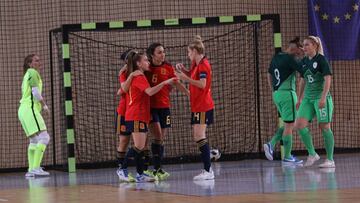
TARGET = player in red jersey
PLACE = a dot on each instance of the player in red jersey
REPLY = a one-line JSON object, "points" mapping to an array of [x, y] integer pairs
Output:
{"points": [[137, 114], [160, 70], [201, 102], [121, 131]]}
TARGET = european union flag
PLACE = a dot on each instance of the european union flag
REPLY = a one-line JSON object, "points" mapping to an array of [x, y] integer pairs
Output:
{"points": [[337, 23]]}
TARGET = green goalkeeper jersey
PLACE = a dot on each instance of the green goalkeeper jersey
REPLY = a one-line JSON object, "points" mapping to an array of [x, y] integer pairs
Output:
{"points": [[313, 71], [283, 69], [31, 79]]}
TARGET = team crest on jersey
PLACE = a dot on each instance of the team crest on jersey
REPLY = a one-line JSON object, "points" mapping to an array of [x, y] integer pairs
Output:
{"points": [[163, 71], [315, 64]]}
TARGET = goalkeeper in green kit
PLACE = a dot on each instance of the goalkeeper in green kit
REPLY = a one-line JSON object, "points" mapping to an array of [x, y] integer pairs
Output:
{"points": [[282, 80], [29, 114]]}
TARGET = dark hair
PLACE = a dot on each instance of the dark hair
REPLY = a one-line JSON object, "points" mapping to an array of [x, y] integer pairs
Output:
{"points": [[296, 41], [132, 60], [27, 61], [151, 49], [124, 55]]}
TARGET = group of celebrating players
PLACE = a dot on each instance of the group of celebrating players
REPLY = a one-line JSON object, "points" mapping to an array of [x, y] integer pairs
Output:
{"points": [[146, 81]]}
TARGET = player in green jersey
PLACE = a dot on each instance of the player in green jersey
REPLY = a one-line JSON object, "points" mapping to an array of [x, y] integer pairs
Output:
{"points": [[315, 100], [282, 79], [29, 113]]}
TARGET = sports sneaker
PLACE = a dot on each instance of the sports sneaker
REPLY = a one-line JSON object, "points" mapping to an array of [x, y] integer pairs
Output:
{"points": [[327, 164], [144, 178], [29, 174], [269, 152], [150, 173], [161, 174], [292, 160], [312, 159], [204, 175], [123, 174], [131, 178], [40, 172]]}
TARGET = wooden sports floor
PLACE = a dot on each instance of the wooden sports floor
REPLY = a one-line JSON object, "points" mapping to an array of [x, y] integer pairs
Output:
{"points": [[241, 181]]}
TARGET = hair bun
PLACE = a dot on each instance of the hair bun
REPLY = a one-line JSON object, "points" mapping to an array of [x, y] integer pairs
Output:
{"points": [[198, 37]]}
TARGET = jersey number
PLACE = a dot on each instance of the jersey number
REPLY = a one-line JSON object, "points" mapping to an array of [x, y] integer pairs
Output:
{"points": [[310, 79], [154, 78], [277, 76]]}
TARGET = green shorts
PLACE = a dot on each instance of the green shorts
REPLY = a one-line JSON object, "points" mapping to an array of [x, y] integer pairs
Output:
{"points": [[309, 107], [285, 102], [31, 120]]}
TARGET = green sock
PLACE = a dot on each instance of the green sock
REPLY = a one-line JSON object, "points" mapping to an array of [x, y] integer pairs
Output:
{"points": [[287, 141], [307, 140], [277, 137], [39, 152], [31, 153], [329, 143]]}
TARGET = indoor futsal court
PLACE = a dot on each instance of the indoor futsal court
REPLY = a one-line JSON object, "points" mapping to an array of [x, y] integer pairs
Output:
{"points": [[128, 101]]}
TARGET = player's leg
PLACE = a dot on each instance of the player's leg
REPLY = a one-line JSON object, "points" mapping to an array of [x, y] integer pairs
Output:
{"points": [[288, 114], [158, 130], [34, 126], [305, 114], [43, 140], [200, 120], [139, 131], [269, 147], [123, 156], [28, 123], [324, 117]]}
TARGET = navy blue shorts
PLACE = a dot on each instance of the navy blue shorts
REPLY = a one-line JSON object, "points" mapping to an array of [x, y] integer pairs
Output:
{"points": [[120, 125], [161, 116], [202, 117], [136, 127]]}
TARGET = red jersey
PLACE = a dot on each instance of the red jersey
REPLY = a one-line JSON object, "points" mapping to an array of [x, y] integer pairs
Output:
{"points": [[121, 109], [138, 108], [201, 99], [157, 75]]}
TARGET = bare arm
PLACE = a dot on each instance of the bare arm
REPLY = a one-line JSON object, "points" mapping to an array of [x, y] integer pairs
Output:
{"points": [[153, 90], [126, 85], [301, 89], [182, 88], [325, 91], [198, 83]]}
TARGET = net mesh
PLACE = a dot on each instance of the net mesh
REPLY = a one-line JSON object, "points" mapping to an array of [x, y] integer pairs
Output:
{"points": [[230, 49], [24, 29]]}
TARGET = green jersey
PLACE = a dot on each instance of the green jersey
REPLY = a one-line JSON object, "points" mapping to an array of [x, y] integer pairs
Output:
{"points": [[282, 70], [31, 79], [313, 71]]}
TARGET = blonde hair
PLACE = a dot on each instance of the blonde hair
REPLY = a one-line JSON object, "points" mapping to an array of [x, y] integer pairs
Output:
{"points": [[198, 45], [316, 40]]}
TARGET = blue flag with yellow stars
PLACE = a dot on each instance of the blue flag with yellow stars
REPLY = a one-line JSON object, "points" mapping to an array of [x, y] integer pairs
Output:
{"points": [[337, 23]]}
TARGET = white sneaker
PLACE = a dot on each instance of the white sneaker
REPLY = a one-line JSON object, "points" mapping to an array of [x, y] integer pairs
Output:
{"points": [[29, 174], [311, 160], [39, 172], [144, 178], [123, 174], [204, 175], [269, 152], [327, 164]]}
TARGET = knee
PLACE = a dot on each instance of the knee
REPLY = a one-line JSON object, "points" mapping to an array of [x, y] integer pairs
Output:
{"points": [[43, 138], [299, 124]]}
